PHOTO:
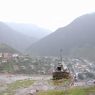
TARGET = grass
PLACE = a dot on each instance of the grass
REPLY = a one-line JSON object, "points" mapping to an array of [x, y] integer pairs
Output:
{"points": [[58, 82], [11, 88], [20, 84], [53, 92], [74, 91]]}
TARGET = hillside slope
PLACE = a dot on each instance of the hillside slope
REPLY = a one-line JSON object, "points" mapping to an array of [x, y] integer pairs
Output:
{"points": [[76, 39], [4, 48], [13, 38]]}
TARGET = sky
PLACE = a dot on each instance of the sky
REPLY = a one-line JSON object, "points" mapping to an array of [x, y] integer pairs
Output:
{"points": [[49, 14]]}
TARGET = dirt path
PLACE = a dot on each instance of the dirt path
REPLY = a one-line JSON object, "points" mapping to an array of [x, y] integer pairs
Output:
{"points": [[40, 85]]}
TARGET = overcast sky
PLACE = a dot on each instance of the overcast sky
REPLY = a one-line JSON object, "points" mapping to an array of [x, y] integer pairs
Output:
{"points": [[50, 14]]}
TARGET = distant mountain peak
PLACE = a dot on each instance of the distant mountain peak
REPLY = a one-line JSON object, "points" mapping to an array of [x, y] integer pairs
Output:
{"points": [[30, 30], [13, 38], [76, 39]]}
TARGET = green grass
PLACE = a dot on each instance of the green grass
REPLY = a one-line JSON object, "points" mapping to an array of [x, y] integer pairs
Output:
{"points": [[77, 91], [11, 88], [20, 84], [74, 91], [53, 92], [59, 82]]}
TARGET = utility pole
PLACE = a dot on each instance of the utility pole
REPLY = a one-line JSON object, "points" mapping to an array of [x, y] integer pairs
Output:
{"points": [[61, 55]]}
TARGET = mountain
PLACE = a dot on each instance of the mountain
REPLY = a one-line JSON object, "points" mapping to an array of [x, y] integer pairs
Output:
{"points": [[30, 30], [76, 39], [4, 48], [13, 38]]}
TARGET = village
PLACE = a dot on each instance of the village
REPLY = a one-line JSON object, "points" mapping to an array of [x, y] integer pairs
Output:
{"points": [[18, 67], [27, 64]]}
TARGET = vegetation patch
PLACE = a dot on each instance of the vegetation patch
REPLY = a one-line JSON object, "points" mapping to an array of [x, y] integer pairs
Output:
{"points": [[53, 92], [11, 88], [74, 91], [60, 82]]}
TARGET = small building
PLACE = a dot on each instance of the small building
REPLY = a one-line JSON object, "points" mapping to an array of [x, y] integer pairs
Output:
{"points": [[60, 72]]}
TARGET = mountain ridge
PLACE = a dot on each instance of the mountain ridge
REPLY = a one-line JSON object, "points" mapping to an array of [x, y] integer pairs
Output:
{"points": [[13, 38], [30, 30], [79, 34]]}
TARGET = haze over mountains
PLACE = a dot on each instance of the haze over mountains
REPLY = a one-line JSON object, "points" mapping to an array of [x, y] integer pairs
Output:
{"points": [[30, 30], [15, 38], [76, 39]]}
